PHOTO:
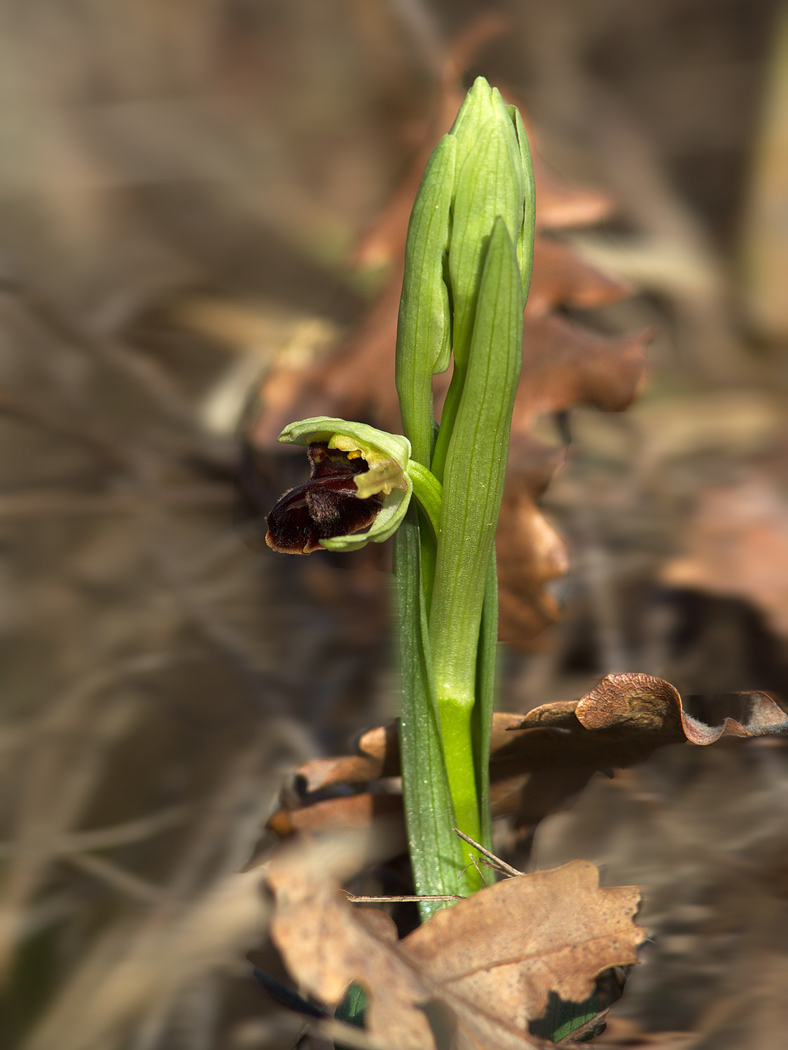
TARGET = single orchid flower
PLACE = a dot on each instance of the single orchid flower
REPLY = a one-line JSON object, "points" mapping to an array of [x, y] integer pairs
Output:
{"points": [[359, 491]]}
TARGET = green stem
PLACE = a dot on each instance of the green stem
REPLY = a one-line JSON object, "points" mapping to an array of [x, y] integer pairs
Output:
{"points": [[429, 492]]}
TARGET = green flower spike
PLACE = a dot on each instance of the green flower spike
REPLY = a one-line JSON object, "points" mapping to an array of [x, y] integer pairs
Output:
{"points": [[468, 264]]}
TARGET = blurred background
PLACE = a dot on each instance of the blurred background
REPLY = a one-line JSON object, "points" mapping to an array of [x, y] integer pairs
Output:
{"points": [[202, 210]]}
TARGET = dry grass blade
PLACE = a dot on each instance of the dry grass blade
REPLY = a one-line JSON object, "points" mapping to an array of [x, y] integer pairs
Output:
{"points": [[55, 786], [107, 838], [129, 970]]}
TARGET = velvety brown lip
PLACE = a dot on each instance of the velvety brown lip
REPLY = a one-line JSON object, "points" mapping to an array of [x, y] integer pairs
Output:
{"points": [[325, 506]]}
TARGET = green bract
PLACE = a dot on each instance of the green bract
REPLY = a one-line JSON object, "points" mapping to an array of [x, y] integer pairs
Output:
{"points": [[387, 456], [424, 328]]}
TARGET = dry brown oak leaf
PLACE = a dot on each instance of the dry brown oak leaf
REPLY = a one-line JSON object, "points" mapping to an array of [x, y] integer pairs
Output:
{"points": [[564, 364], [737, 545], [539, 760], [491, 960]]}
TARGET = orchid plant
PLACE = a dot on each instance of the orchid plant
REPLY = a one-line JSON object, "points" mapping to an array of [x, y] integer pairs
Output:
{"points": [[438, 488]]}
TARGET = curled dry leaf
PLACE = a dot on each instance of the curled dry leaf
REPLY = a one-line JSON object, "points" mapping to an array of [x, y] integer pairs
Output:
{"points": [[488, 963], [647, 712], [621, 721], [564, 364], [553, 750]]}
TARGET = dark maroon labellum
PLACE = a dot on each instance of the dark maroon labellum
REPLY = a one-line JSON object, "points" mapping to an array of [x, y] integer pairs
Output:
{"points": [[326, 506]]}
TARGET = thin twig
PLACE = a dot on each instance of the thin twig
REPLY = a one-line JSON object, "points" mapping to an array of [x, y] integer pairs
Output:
{"points": [[477, 866], [495, 862], [404, 899]]}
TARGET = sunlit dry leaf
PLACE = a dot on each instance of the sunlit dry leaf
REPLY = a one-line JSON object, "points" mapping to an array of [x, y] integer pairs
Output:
{"points": [[622, 721], [553, 752], [378, 757], [352, 811], [530, 551], [647, 712], [490, 961], [737, 545], [562, 278], [565, 365]]}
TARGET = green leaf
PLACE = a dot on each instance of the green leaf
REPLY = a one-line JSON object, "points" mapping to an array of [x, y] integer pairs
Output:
{"points": [[475, 470], [485, 698], [435, 851], [561, 1018], [472, 493], [351, 1009]]}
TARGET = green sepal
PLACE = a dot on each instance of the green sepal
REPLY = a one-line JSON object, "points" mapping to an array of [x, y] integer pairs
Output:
{"points": [[374, 445]]}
